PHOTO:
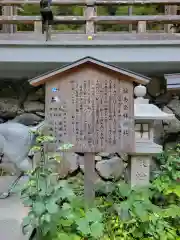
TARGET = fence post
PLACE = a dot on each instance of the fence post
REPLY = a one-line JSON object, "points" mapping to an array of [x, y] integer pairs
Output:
{"points": [[141, 26], [170, 10], [38, 27], [130, 11], [90, 11], [9, 11]]}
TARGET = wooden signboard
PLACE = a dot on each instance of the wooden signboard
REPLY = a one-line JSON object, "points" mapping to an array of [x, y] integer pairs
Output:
{"points": [[90, 104], [93, 110]]}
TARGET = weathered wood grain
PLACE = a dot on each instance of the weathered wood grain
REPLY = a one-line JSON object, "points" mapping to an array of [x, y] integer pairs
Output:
{"points": [[32, 19], [90, 11], [96, 19], [136, 19]]}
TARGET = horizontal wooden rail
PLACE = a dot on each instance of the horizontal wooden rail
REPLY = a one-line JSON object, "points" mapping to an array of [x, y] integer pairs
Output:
{"points": [[96, 2], [96, 19], [32, 19], [136, 19]]}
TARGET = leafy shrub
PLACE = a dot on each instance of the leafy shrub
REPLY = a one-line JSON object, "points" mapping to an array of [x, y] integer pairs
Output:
{"points": [[55, 211], [152, 212], [119, 213]]}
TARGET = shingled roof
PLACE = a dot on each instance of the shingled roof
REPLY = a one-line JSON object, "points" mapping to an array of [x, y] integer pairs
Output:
{"points": [[39, 80]]}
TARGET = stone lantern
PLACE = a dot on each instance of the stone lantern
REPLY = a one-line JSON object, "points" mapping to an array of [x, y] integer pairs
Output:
{"points": [[145, 115]]}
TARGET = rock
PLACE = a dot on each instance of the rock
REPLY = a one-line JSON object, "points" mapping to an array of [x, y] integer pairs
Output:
{"points": [[103, 154], [124, 156], [163, 99], [172, 126], [158, 132], [170, 145], [40, 114], [28, 119], [174, 105], [98, 158], [33, 106], [68, 164], [154, 87], [37, 95], [111, 169], [8, 107], [81, 163]]}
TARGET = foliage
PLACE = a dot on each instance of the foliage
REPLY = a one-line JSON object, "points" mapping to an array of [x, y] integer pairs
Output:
{"points": [[78, 11], [120, 212], [55, 211], [152, 212]]}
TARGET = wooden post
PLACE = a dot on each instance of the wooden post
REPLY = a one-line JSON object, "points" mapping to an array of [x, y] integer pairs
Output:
{"points": [[141, 26], [130, 9], [38, 27], [170, 10], [89, 173], [90, 11], [9, 11]]}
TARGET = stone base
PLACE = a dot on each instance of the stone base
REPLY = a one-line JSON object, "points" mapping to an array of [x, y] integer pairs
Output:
{"points": [[11, 213]]}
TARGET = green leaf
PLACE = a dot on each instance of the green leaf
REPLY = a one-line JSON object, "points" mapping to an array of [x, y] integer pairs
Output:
{"points": [[66, 206], [64, 193], [97, 229], [94, 215], [75, 237], [83, 226], [38, 208], [66, 222], [63, 236], [26, 221], [124, 189], [172, 211], [123, 210], [28, 202], [140, 211], [52, 207], [46, 218]]}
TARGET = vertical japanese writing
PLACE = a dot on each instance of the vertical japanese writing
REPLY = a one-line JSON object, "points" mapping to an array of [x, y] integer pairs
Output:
{"points": [[95, 113]]}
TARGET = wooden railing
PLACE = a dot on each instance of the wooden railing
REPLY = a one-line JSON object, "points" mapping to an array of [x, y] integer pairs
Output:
{"points": [[90, 18], [95, 2]]}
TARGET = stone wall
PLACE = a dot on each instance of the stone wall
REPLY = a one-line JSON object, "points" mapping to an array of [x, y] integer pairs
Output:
{"points": [[20, 102], [25, 104]]}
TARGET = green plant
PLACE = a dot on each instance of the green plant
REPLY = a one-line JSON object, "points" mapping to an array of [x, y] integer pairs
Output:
{"points": [[167, 179], [43, 193], [119, 213], [55, 211], [133, 214], [77, 223]]}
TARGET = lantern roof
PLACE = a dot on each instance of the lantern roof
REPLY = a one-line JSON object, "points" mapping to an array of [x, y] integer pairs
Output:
{"points": [[134, 77], [143, 110]]}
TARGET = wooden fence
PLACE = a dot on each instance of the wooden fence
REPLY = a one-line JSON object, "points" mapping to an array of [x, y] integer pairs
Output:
{"points": [[10, 19]]}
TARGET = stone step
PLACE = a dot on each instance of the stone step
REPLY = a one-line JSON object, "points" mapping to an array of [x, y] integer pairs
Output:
{"points": [[12, 212]]}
